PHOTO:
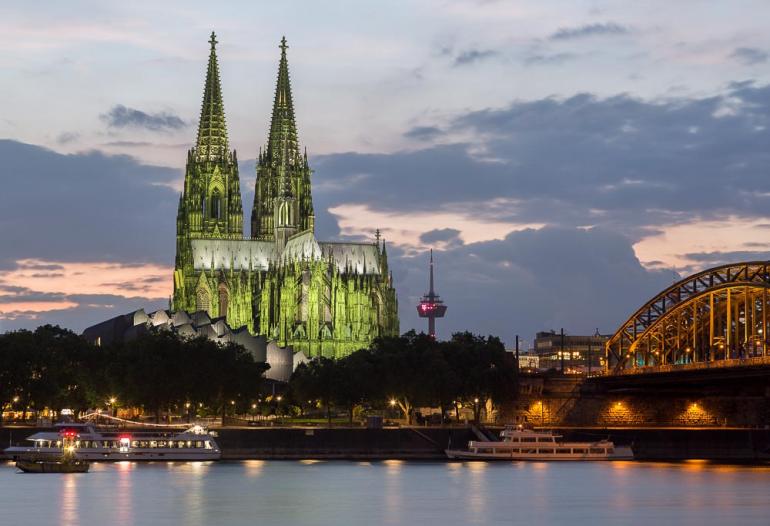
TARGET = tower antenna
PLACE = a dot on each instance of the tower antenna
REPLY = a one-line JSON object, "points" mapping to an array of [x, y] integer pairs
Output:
{"points": [[430, 305]]}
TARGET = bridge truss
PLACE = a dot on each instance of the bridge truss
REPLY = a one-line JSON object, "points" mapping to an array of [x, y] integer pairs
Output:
{"points": [[717, 315]]}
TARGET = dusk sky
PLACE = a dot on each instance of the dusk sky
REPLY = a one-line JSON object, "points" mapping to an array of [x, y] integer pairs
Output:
{"points": [[565, 159]]}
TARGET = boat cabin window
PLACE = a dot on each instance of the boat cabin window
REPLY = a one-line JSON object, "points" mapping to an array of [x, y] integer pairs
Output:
{"points": [[579, 450], [597, 450], [563, 451]]}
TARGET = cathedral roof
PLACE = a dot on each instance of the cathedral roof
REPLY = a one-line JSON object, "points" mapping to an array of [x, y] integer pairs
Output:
{"points": [[301, 247], [251, 254], [212, 130], [240, 254], [363, 258]]}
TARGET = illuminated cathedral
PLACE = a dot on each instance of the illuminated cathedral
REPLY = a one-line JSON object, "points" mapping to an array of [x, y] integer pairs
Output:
{"points": [[321, 298]]}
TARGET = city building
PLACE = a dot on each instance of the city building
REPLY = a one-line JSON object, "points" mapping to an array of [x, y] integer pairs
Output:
{"points": [[282, 360], [320, 298], [571, 353]]}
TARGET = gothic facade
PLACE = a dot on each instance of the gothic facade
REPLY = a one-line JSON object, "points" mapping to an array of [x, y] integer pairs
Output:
{"points": [[322, 298]]}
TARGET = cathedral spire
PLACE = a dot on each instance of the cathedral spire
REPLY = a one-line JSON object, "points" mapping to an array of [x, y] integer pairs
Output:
{"points": [[282, 144], [212, 130]]}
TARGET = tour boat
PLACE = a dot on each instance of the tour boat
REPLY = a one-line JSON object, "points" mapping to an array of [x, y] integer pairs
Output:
{"points": [[522, 444], [89, 443]]}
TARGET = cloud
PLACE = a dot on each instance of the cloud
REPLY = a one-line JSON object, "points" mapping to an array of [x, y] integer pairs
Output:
{"points": [[588, 30], [120, 116], [750, 55], [84, 207], [423, 133], [79, 312], [620, 162], [471, 56], [545, 59], [67, 137], [531, 280], [440, 235]]}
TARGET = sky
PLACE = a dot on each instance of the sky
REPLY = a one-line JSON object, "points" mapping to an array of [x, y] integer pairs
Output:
{"points": [[566, 160]]}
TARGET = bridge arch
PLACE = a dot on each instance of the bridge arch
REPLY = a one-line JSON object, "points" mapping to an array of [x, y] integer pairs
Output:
{"points": [[716, 315]]}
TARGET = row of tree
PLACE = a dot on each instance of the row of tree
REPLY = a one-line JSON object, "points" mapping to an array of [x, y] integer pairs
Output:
{"points": [[158, 371], [411, 371]]}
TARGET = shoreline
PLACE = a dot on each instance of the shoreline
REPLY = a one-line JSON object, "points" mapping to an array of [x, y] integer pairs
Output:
{"points": [[428, 444]]}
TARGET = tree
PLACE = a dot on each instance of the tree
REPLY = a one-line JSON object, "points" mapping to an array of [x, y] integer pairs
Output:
{"points": [[315, 380], [15, 367]]}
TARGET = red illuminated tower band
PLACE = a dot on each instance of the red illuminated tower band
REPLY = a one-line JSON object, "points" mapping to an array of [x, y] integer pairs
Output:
{"points": [[431, 306]]}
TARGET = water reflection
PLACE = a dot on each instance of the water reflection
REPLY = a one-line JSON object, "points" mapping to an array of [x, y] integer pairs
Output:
{"points": [[254, 467], [389, 492], [69, 500], [123, 498]]}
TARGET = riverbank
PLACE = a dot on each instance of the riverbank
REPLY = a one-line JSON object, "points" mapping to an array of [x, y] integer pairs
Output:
{"points": [[428, 443]]}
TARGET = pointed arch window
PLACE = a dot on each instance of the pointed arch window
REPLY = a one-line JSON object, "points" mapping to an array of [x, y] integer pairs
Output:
{"points": [[216, 205], [223, 299], [202, 300]]}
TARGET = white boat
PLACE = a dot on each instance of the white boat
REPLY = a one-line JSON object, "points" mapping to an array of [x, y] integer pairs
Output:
{"points": [[518, 443], [90, 443]]}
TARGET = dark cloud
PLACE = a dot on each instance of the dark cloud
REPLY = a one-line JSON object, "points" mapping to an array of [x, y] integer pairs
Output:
{"points": [[531, 280], [553, 58], [423, 133], [13, 294], [120, 116], [621, 162], [471, 56], [716, 258], [588, 30], [84, 207], [750, 55], [440, 235], [67, 137]]}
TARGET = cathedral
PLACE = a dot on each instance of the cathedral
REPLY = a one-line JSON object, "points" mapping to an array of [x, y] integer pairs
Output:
{"points": [[320, 298]]}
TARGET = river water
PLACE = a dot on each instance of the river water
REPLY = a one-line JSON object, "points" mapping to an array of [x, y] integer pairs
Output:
{"points": [[276, 493]]}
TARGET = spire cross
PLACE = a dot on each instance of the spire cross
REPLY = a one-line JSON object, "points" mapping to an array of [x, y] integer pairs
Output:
{"points": [[284, 46], [213, 40]]}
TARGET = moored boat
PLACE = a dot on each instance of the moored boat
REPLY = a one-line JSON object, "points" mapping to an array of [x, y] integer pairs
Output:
{"points": [[66, 461], [51, 465], [90, 443], [518, 443]]}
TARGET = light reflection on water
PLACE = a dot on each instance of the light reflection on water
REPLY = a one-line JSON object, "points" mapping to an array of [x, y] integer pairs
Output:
{"points": [[388, 492]]}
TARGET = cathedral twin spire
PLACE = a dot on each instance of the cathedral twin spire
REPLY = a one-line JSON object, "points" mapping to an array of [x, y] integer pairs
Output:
{"points": [[211, 202]]}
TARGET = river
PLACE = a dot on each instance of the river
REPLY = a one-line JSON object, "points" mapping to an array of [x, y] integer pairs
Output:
{"points": [[276, 493]]}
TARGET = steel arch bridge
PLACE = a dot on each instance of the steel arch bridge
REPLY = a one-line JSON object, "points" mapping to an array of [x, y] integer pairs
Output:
{"points": [[717, 317]]}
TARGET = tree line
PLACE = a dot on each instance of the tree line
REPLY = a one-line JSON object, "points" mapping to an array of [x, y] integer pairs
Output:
{"points": [[411, 371], [158, 372]]}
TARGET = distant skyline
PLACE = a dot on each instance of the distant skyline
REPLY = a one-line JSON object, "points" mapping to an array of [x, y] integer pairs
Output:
{"points": [[566, 160]]}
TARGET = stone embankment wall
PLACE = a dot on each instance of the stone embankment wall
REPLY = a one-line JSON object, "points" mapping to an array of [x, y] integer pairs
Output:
{"points": [[564, 401]]}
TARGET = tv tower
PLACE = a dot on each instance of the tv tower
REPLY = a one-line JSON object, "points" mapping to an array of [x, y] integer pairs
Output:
{"points": [[430, 305]]}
